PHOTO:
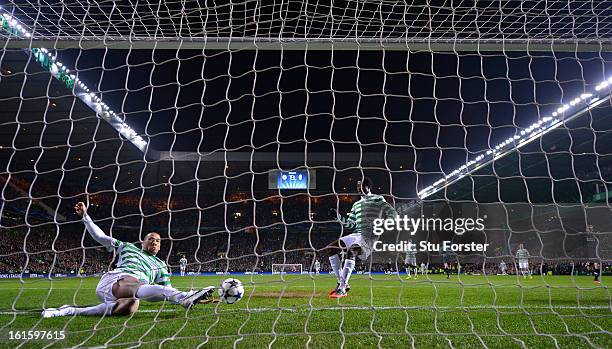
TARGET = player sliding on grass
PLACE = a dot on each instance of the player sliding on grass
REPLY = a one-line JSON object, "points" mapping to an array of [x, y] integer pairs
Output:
{"points": [[360, 243], [139, 275]]}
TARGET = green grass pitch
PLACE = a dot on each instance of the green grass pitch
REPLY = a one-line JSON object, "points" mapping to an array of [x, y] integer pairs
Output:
{"points": [[294, 311]]}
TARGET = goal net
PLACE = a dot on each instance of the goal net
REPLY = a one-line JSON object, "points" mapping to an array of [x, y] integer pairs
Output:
{"points": [[232, 130]]}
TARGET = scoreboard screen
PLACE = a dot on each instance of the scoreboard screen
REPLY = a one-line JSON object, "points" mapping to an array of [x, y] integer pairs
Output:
{"points": [[298, 179], [292, 179]]}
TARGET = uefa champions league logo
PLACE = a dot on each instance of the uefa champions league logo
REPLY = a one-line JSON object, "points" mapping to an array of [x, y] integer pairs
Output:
{"points": [[292, 176]]}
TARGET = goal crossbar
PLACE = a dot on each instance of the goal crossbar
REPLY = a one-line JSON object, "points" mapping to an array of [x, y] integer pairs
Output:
{"points": [[369, 44]]}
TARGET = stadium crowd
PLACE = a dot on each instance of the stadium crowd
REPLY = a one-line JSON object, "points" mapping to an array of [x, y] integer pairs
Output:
{"points": [[236, 234], [43, 249]]}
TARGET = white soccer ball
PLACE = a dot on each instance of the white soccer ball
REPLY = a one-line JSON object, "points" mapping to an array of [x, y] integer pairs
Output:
{"points": [[231, 291]]}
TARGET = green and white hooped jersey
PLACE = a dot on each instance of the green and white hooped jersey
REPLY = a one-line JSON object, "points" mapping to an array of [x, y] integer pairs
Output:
{"points": [[140, 264], [522, 254], [365, 211], [410, 257]]}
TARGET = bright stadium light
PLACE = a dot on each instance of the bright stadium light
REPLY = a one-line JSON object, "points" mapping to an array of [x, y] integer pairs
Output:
{"points": [[603, 85], [534, 131], [61, 72]]}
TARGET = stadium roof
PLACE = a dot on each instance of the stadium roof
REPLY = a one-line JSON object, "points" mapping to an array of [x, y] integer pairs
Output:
{"points": [[45, 130], [232, 125], [73, 137], [563, 166]]}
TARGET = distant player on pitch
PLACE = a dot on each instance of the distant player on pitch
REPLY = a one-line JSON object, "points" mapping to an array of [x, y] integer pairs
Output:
{"points": [[423, 268], [503, 268], [411, 264], [594, 267], [183, 265], [523, 262], [139, 275], [317, 267], [360, 243], [449, 258]]}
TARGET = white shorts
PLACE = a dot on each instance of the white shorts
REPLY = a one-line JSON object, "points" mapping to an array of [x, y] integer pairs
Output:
{"points": [[357, 239], [183, 268], [523, 265], [104, 290], [411, 261]]}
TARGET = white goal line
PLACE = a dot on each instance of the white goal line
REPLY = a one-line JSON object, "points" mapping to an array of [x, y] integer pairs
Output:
{"points": [[281, 287], [375, 308]]}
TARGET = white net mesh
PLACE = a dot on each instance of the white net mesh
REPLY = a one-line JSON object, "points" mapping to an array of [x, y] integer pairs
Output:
{"points": [[231, 130], [435, 24]]}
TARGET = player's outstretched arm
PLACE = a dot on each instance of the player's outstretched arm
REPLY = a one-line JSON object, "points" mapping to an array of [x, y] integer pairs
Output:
{"points": [[92, 228], [389, 211], [348, 222]]}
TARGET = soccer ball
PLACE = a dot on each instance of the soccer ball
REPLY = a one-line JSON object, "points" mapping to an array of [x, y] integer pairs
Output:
{"points": [[231, 291]]}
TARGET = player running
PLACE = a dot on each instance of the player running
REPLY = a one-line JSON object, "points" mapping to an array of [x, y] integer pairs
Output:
{"points": [[411, 264], [360, 243], [523, 262], [317, 267], [139, 275], [183, 265]]}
